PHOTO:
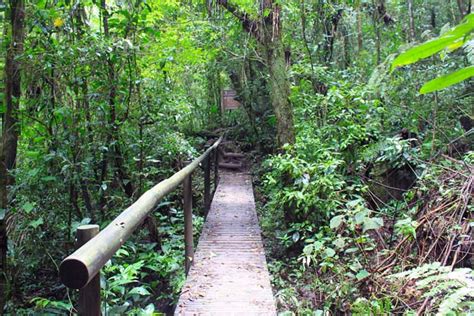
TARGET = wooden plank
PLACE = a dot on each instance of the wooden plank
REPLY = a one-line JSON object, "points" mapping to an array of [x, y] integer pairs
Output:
{"points": [[229, 275]]}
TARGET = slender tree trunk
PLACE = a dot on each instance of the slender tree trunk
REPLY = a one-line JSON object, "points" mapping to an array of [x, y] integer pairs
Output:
{"points": [[411, 20], [377, 43], [113, 133], [305, 39], [11, 129], [346, 47], [359, 31], [461, 6], [433, 17], [3, 231], [331, 30], [376, 23]]}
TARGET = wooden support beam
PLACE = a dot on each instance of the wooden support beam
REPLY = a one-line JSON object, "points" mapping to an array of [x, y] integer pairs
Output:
{"points": [[207, 184], [216, 169], [188, 223], [89, 296]]}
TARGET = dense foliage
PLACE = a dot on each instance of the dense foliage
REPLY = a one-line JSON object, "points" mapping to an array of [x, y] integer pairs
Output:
{"points": [[364, 184]]}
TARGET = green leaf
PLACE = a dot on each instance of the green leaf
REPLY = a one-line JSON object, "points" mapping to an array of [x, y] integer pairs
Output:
{"points": [[464, 28], [36, 223], [2, 213], [436, 45], [422, 51], [28, 207], [372, 223], [336, 221], [149, 310], [447, 80], [362, 274], [139, 291], [330, 252], [361, 216]]}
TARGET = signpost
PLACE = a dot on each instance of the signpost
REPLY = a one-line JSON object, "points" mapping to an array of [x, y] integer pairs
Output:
{"points": [[228, 101]]}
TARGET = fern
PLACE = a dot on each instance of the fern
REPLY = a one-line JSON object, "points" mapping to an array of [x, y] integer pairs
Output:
{"points": [[451, 291]]}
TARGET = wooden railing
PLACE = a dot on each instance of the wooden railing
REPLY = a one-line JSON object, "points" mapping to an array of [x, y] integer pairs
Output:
{"points": [[81, 269]]}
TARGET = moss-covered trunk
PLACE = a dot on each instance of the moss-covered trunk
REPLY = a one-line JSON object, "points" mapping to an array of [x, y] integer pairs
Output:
{"points": [[267, 30], [279, 92]]}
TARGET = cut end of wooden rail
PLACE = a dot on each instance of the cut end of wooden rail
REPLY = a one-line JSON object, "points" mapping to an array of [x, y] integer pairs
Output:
{"points": [[73, 273]]}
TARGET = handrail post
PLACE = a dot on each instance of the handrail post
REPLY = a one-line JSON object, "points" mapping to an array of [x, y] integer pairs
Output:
{"points": [[89, 296], [188, 223], [207, 184], [216, 168]]}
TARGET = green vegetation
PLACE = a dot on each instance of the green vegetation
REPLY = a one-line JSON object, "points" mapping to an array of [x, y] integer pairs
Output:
{"points": [[357, 116]]}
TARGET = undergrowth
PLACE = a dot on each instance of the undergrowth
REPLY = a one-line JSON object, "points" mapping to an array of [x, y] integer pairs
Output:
{"points": [[358, 199]]}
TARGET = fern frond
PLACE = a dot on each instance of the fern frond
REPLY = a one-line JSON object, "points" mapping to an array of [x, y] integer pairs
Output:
{"points": [[451, 291]]}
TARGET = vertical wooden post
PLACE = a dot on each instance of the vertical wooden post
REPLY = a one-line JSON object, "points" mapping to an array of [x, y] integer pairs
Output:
{"points": [[216, 168], [207, 184], [89, 296], [188, 223]]}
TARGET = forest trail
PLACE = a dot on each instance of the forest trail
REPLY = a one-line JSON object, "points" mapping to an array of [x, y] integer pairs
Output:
{"points": [[229, 275]]}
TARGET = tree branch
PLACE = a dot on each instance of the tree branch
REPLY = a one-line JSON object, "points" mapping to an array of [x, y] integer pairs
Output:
{"points": [[249, 25]]}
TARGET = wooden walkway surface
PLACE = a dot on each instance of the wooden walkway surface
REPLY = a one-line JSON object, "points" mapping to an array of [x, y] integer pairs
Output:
{"points": [[229, 275]]}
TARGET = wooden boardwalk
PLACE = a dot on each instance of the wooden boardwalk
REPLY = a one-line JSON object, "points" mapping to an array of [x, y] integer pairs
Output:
{"points": [[229, 275]]}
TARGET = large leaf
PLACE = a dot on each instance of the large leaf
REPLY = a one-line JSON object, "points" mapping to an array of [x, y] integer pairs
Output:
{"points": [[372, 223], [422, 51], [463, 29], [336, 221], [448, 80], [362, 274], [36, 222], [436, 45]]}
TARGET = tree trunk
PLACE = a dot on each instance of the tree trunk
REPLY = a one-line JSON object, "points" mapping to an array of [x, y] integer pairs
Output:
{"points": [[305, 39], [279, 94], [376, 24], [3, 231], [461, 8], [359, 31], [433, 17], [411, 20], [346, 47], [331, 30], [113, 133], [11, 129], [278, 79]]}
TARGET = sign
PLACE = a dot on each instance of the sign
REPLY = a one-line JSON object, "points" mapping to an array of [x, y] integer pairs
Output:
{"points": [[228, 101]]}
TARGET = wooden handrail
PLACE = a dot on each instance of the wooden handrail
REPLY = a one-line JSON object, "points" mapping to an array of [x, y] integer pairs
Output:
{"points": [[78, 269]]}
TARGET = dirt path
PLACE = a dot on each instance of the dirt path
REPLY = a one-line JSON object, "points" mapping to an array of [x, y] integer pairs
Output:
{"points": [[229, 275]]}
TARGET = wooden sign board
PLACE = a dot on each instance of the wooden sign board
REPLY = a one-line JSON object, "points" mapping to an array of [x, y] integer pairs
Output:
{"points": [[228, 101]]}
